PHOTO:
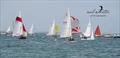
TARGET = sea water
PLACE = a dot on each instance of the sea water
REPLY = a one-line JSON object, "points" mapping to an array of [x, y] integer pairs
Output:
{"points": [[41, 46]]}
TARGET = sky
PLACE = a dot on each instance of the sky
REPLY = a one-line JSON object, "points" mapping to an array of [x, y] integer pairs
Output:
{"points": [[41, 13]]}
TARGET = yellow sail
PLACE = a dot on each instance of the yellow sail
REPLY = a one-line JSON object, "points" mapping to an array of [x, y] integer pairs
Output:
{"points": [[55, 28]]}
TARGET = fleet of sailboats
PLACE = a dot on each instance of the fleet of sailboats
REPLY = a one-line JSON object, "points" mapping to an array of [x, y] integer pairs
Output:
{"points": [[71, 26]]}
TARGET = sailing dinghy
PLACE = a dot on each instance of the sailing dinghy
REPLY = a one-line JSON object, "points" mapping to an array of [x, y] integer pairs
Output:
{"points": [[19, 27], [88, 35], [53, 31], [66, 32]]}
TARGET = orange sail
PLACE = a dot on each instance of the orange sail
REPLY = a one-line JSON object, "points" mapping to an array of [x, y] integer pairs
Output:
{"points": [[97, 31]]}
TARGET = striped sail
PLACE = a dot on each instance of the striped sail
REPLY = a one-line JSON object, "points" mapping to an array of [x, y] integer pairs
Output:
{"points": [[75, 25]]}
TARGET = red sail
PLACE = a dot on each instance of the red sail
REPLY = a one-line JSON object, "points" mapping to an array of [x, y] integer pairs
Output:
{"points": [[76, 30], [18, 19], [97, 31], [24, 28], [75, 25]]}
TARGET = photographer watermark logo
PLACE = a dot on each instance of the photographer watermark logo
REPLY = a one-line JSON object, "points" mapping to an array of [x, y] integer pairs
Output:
{"points": [[98, 12]]}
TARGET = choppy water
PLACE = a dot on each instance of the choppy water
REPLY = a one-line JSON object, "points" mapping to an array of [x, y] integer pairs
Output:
{"points": [[41, 46]]}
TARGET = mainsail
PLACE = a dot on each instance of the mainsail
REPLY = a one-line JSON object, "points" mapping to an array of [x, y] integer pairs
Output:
{"points": [[67, 26], [97, 31], [88, 29]]}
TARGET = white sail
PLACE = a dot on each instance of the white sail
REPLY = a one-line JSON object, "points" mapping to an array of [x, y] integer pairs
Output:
{"points": [[66, 27], [31, 29], [92, 36], [88, 30], [8, 30], [17, 29], [88, 35], [51, 31]]}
